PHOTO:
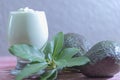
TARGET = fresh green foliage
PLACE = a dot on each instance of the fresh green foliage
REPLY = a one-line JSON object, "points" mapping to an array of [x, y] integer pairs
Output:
{"points": [[27, 52], [30, 69], [49, 75], [78, 61], [58, 44], [67, 53], [52, 59]]}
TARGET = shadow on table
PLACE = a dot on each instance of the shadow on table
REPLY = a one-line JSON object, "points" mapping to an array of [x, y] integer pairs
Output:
{"points": [[86, 78], [77, 76]]}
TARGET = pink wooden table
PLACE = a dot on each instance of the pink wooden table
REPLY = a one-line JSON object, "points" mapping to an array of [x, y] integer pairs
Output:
{"points": [[8, 63]]}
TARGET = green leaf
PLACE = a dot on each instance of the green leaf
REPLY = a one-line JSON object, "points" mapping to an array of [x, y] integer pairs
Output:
{"points": [[43, 47], [50, 57], [53, 76], [49, 74], [78, 61], [27, 52], [67, 53], [49, 48], [61, 63], [30, 69], [58, 43]]}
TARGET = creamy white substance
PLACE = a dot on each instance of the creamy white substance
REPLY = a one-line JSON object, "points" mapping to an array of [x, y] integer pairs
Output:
{"points": [[28, 26]]}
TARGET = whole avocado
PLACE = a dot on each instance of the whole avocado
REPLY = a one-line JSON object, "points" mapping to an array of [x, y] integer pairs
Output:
{"points": [[74, 40], [105, 60]]}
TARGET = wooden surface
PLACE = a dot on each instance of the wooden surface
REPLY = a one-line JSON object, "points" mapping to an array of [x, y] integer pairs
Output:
{"points": [[8, 63]]}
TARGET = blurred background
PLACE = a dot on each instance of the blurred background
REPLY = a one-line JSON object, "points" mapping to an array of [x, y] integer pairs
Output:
{"points": [[97, 20]]}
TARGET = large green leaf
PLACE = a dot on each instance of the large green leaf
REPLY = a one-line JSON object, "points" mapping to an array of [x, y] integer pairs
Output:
{"points": [[67, 53], [49, 74], [58, 43], [27, 52], [77, 61], [30, 69]]}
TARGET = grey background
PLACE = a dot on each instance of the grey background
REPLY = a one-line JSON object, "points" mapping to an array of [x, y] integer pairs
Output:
{"points": [[95, 19]]}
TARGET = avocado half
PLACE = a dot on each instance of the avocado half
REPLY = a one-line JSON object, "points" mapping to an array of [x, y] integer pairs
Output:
{"points": [[105, 60], [74, 40]]}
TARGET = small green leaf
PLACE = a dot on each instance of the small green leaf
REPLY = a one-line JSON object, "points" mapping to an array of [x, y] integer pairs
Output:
{"points": [[43, 47], [53, 76], [27, 52], [67, 53], [58, 43], [49, 57], [47, 75], [30, 69], [78, 61], [61, 63], [49, 48]]}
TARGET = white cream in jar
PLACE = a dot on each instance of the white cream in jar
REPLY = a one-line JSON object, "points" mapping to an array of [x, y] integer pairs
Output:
{"points": [[28, 26]]}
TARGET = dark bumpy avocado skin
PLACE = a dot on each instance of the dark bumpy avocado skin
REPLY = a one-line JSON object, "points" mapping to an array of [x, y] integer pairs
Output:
{"points": [[105, 60], [77, 41]]}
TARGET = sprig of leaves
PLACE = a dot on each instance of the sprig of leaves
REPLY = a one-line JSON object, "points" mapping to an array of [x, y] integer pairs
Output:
{"points": [[52, 59]]}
